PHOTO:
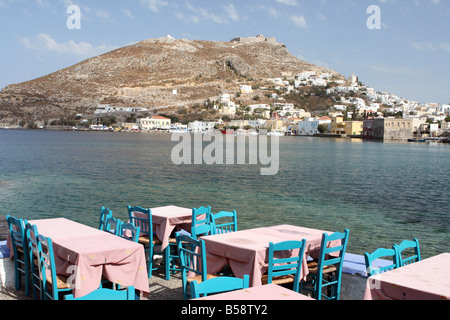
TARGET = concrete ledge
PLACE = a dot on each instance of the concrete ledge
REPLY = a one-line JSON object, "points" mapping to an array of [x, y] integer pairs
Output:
{"points": [[354, 276], [7, 275]]}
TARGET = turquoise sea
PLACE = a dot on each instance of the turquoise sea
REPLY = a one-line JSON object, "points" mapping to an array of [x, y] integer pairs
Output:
{"points": [[382, 192]]}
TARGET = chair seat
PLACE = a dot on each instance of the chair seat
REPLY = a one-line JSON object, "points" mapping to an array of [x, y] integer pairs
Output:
{"points": [[279, 280], [145, 240], [312, 267], [199, 278], [174, 241], [61, 282]]}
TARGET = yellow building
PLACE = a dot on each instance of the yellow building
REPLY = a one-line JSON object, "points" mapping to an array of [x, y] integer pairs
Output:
{"points": [[337, 125], [353, 128], [275, 125]]}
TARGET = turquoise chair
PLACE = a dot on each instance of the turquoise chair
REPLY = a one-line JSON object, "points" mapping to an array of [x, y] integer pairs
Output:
{"points": [[52, 284], [192, 259], [129, 231], [113, 225], [20, 249], [284, 268], [146, 237], [106, 294], [218, 285], [386, 254], [201, 227], [105, 213], [33, 253], [220, 226], [409, 248], [326, 273]]}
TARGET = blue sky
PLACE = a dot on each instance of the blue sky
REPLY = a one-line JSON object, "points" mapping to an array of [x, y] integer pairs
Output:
{"points": [[408, 56]]}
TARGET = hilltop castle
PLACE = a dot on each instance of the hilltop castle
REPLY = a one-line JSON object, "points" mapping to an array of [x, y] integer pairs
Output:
{"points": [[258, 38]]}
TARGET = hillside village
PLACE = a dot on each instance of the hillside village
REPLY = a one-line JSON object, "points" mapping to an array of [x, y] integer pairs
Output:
{"points": [[357, 111], [227, 86]]}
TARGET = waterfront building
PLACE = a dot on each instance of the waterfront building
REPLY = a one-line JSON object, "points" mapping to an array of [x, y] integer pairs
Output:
{"points": [[239, 123], [155, 122], [309, 126], [387, 129], [129, 126], [202, 127], [337, 125], [353, 128], [275, 125]]}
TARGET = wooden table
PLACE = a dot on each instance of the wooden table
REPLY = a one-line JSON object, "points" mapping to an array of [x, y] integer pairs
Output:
{"points": [[261, 293], [87, 254], [428, 279], [246, 251]]}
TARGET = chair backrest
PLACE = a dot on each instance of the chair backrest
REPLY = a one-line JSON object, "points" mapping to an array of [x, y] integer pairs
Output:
{"points": [[106, 294], [391, 254], [142, 218], [105, 213], [332, 252], [17, 235], [47, 268], [113, 225], [201, 226], [32, 234], [129, 231], [282, 262], [409, 248], [192, 258], [218, 285], [221, 226]]}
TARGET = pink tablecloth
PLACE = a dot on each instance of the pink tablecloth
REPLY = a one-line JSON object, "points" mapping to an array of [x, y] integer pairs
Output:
{"points": [[93, 254], [428, 279], [165, 219], [268, 292], [246, 251]]}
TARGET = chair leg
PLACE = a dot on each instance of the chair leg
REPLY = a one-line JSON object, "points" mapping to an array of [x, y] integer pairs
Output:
{"points": [[150, 261], [167, 262]]}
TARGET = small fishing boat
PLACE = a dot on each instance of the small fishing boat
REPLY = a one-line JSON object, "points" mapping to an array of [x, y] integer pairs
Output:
{"points": [[417, 140], [227, 131]]}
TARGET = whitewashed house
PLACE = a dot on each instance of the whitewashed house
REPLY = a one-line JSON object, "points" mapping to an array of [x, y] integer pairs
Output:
{"points": [[308, 127], [245, 89], [202, 127]]}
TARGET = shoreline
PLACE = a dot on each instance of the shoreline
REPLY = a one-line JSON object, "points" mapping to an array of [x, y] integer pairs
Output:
{"points": [[321, 136]]}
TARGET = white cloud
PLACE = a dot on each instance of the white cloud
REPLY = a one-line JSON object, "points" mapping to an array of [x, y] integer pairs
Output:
{"points": [[299, 21], [44, 42], [288, 2], [154, 5], [423, 46], [383, 68], [104, 14], [201, 14], [232, 12], [427, 46], [445, 46], [128, 13]]}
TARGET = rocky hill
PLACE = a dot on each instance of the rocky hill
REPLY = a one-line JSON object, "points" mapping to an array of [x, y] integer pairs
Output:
{"points": [[147, 73]]}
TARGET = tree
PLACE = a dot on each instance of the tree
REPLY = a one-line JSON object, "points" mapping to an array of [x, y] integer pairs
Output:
{"points": [[323, 128]]}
